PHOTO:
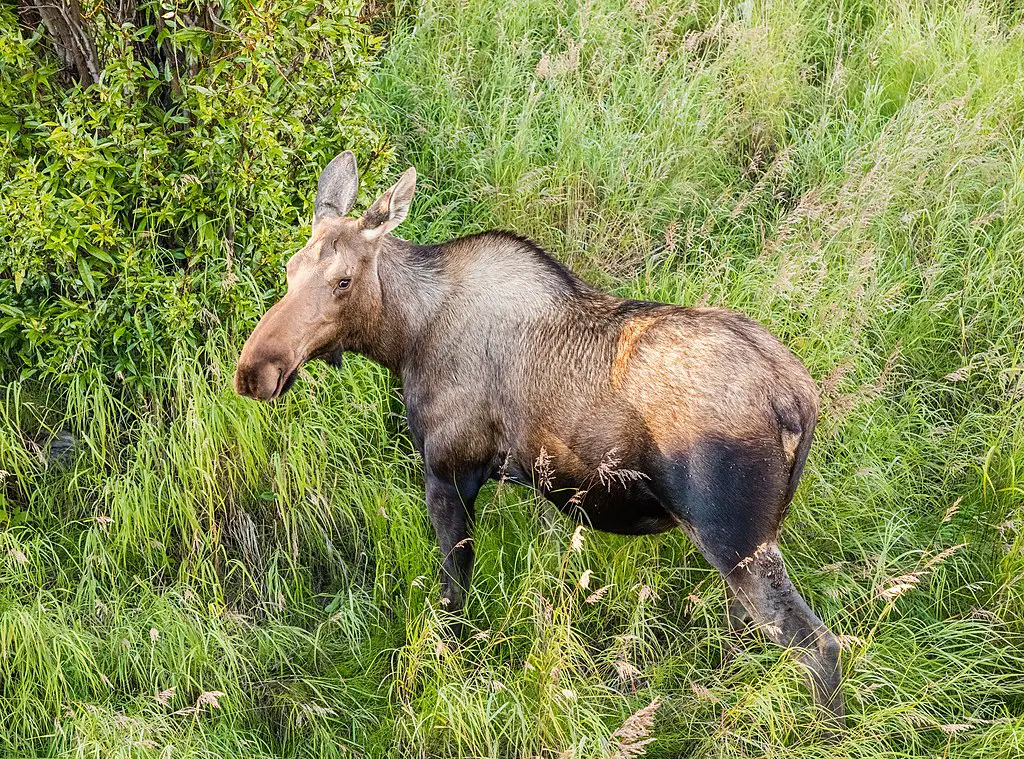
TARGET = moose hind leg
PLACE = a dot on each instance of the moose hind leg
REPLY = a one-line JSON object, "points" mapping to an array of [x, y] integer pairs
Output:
{"points": [[730, 498], [737, 618], [762, 584]]}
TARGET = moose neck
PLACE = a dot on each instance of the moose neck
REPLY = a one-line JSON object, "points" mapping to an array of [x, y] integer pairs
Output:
{"points": [[412, 289]]}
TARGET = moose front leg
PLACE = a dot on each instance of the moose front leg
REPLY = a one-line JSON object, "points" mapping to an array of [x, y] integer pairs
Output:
{"points": [[450, 503]]}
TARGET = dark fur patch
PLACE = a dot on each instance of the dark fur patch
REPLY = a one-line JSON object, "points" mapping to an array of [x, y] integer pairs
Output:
{"points": [[630, 308], [728, 492]]}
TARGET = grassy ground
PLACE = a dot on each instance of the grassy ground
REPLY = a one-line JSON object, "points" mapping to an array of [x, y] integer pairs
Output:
{"points": [[220, 578]]}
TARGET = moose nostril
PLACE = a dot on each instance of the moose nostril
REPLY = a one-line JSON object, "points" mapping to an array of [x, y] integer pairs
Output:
{"points": [[247, 380], [265, 380]]}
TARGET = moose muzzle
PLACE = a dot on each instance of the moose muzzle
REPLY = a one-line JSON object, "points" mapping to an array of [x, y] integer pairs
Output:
{"points": [[269, 361]]}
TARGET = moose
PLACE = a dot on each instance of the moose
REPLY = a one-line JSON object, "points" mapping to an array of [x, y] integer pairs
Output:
{"points": [[507, 358]]}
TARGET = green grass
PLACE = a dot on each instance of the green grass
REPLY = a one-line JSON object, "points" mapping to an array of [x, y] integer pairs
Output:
{"points": [[849, 173]]}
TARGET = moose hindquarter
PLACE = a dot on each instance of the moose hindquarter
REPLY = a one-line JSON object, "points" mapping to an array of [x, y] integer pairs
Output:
{"points": [[732, 414]]}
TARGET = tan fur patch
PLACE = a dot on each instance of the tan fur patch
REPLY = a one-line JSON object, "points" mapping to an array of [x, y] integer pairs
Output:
{"points": [[628, 338], [790, 442]]}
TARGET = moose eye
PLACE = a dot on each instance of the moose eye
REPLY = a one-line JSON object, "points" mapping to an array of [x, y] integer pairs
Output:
{"points": [[343, 284]]}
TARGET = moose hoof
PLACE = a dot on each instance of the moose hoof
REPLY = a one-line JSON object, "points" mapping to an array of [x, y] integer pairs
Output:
{"points": [[451, 616]]}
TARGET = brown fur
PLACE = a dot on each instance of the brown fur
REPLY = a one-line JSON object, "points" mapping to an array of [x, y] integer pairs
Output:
{"points": [[634, 417]]}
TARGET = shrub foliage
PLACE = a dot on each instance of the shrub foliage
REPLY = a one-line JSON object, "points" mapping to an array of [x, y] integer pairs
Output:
{"points": [[152, 191]]}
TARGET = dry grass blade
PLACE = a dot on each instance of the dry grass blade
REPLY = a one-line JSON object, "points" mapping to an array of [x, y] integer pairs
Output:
{"points": [[598, 594]]}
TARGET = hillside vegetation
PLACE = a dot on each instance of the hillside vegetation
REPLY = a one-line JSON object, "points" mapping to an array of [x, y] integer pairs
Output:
{"points": [[201, 575]]}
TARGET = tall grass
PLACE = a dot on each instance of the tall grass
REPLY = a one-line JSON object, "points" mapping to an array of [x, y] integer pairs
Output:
{"points": [[205, 576]]}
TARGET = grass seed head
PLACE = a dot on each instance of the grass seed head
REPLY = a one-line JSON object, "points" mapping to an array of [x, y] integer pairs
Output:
{"points": [[631, 740]]}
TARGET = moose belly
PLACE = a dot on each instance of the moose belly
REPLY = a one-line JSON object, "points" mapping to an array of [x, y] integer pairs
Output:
{"points": [[624, 510], [597, 474], [611, 504]]}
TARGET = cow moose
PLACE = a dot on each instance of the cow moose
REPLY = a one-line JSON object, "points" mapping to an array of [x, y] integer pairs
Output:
{"points": [[506, 357]]}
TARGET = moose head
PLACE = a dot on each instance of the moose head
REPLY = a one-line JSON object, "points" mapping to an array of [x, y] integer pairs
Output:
{"points": [[334, 295]]}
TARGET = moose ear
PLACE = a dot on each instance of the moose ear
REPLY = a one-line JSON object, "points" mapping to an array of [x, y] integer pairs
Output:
{"points": [[336, 190], [391, 208]]}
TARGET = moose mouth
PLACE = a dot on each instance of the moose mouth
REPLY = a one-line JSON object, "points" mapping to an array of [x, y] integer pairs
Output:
{"points": [[284, 383], [331, 357], [247, 382]]}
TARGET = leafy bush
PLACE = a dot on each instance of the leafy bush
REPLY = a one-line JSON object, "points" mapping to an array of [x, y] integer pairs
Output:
{"points": [[141, 210]]}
